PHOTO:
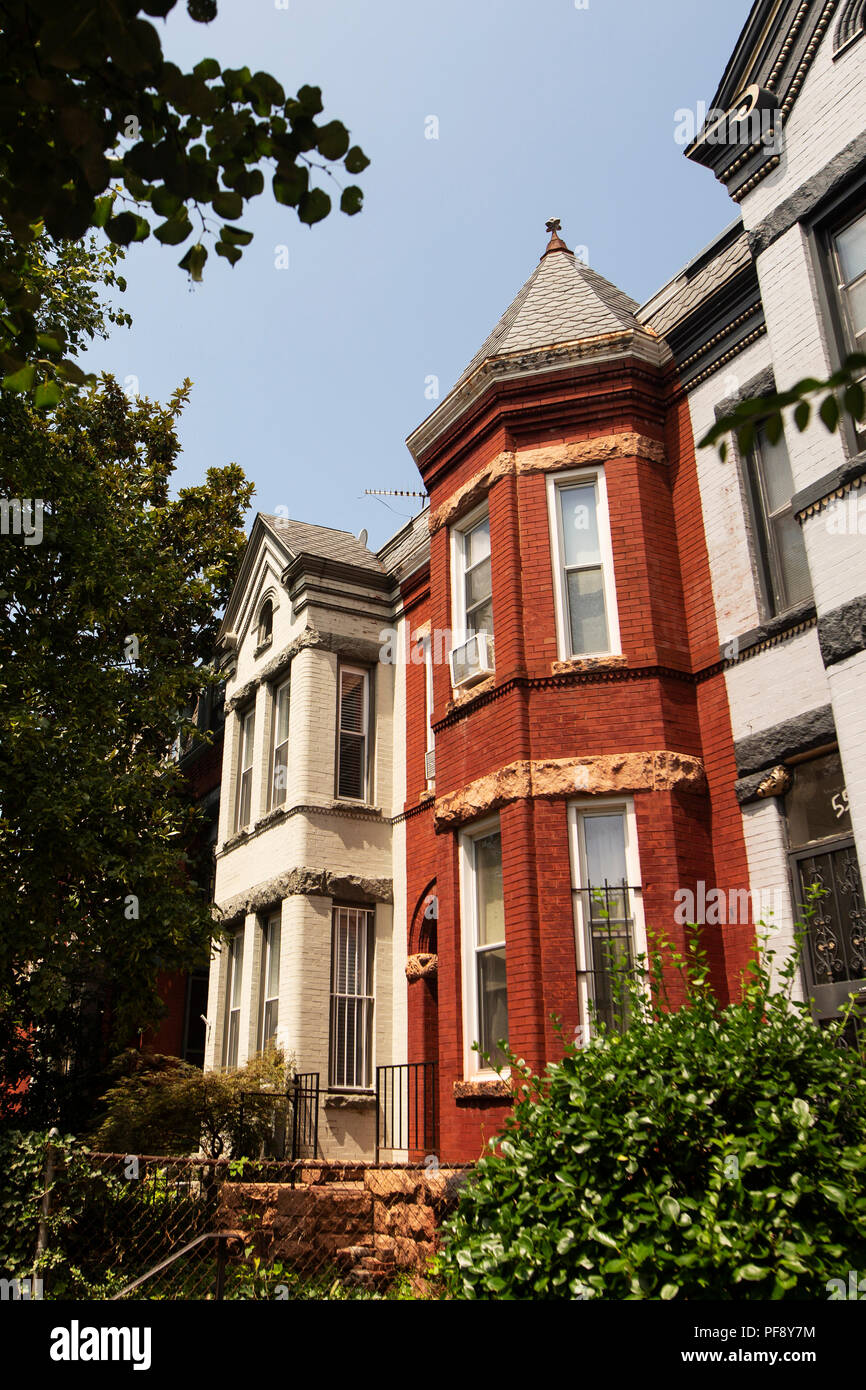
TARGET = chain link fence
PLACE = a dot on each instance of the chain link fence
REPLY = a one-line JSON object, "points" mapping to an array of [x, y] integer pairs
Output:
{"points": [[162, 1227]]}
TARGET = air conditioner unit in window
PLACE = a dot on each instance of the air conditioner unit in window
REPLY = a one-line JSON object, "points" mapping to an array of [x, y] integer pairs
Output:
{"points": [[430, 764], [472, 661]]}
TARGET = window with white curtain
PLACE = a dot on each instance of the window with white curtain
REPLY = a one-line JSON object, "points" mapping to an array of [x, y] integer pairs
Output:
{"points": [[608, 912], [584, 589], [483, 914]]}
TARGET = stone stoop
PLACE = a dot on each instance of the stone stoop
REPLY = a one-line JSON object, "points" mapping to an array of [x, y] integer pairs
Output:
{"points": [[370, 1225]]}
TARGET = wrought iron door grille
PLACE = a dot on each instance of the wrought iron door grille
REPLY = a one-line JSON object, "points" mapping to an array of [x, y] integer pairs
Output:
{"points": [[835, 946]]}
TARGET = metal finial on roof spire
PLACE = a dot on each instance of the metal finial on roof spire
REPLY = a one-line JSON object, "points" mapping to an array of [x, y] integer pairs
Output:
{"points": [[554, 226]]}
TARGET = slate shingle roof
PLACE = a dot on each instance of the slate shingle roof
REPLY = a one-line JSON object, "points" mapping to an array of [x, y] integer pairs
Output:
{"points": [[563, 301], [302, 537], [674, 303]]}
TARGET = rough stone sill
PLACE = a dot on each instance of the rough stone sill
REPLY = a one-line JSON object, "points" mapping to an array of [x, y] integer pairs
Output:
{"points": [[587, 663], [348, 1100], [467, 693], [492, 1088], [263, 646], [363, 808]]}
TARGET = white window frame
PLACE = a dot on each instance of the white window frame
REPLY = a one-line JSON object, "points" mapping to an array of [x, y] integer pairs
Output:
{"points": [[426, 642], [460, 633], [556, 483], [273, 919], [843, 286], [284, 685], [363, 671], [234, 971], [363, 920], [601, 806], [474, 1067], [245, 746]]}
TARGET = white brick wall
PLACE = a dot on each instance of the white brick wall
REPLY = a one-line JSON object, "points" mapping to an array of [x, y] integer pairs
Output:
{"points": [[837, 551], [829, 112], [777, 684], [847, 682], [724, 515], [766, 851]]}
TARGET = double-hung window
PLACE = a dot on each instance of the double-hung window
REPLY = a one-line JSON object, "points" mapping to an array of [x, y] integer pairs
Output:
{"points": [[847, 256], [270, 998], [585, 593], [234, 977], [849, 253], [352, 998], [279, 745], [243, 809], [485, 989], [474, 593], [353, 719], [608, 914], [785, 568]]}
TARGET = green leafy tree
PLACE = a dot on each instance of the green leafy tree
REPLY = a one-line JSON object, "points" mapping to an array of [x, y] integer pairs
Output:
{"points": [[162, 1105], [108, 613], [705, 1153], [100, 130], [832, 399]]}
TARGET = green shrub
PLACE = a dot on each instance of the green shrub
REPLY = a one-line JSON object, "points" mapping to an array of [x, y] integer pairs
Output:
{"points": [[706, 1153], [160, 1105]]}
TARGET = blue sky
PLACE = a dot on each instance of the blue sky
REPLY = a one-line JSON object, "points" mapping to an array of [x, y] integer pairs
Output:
{"points": [[311, 377]]}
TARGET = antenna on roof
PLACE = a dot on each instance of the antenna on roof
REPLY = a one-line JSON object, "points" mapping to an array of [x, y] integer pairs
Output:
{"points": [[391, 492], [394, 492]]}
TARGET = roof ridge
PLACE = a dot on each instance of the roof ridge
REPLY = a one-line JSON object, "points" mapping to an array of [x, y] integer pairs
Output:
{"points": [[298, 521]]}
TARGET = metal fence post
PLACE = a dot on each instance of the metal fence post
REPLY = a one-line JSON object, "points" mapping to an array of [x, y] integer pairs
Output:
{"points": [[296, 1105], [219, 1290]]}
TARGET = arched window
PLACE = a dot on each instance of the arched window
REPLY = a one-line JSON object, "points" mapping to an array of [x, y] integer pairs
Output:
{"points": [[266, 622]]}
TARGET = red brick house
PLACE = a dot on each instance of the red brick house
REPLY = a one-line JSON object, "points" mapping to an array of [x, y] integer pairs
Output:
{"points": [[599, 748]]}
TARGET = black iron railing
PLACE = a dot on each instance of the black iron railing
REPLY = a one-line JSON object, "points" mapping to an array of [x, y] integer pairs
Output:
{"points": [[407, 1108], [304, 1092], [609, 968], [281, 1125]]}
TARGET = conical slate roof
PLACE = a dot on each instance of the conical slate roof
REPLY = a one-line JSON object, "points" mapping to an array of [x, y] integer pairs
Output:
{"points": [[565, 314], [563, 301]]}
